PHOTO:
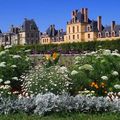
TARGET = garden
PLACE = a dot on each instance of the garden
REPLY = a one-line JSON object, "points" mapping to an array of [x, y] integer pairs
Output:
{"points": [[59, 86]]}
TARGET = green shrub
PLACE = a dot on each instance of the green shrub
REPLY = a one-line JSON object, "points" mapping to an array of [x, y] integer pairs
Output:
{"points": [[97, 71], [12, 65]]}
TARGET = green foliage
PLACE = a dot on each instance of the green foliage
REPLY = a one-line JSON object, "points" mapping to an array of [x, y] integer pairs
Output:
{"points": [[63, 116], [72, 47], [13, 63], [97, 71], [47, 79]]}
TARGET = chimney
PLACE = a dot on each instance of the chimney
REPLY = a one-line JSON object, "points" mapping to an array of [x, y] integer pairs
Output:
{"points": [[73, 14], [53, 30], [61, 30], [82, 11], [85, 15], [112, 26], [99, 24]]}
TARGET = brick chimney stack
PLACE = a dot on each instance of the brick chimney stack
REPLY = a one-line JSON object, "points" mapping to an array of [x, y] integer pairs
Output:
{"points": [[85, 15], [82, 11], [99, 23], [112, 26], [74, 15]]}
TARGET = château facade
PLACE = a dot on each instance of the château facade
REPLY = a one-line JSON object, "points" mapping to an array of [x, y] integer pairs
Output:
{"points": [[80, 28]]}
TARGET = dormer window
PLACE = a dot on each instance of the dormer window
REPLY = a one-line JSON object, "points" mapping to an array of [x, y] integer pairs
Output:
{"points": [[99, 35], [107, 34], [88, 29], [88, 35], [113, 34]]}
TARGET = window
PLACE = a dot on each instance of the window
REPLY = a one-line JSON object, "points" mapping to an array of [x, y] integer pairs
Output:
{"points": [[69, 37], [88, 35], [73, 37], [77, 28], [77, 36], [113, 34], [88, 28], [69, 29], [73, 29], [36, 35], [99, 35], [28, 35], [20, 35], [32, 35], [107, 34]]}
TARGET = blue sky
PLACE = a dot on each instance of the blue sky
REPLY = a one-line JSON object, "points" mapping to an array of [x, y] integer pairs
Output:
{"points": [[58, 12]]}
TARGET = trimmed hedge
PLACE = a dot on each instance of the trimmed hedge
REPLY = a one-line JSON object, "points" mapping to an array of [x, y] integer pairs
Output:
{"points": [[68, 48]]}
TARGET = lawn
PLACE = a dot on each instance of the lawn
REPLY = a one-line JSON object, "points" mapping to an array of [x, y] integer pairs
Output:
{"points": [[75, 116]]}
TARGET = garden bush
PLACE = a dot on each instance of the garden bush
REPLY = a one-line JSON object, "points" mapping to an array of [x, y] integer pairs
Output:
{"points": [[12, 66], [46, 103], [96, 71], [71, 48]]}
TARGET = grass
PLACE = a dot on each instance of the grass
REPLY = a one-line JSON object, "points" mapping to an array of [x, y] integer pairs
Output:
{"points": [[69, 116]]}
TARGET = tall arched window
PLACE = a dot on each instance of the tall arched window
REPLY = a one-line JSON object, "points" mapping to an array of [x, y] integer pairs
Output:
{"points": [[77, 28], [88, 35], [73, 29], [69, 29]]}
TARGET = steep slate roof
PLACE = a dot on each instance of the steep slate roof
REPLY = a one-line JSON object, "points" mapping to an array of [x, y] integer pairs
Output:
{"points": [[80, 18], [108, 29], [93, 25], [52, 32], [28, 24]]}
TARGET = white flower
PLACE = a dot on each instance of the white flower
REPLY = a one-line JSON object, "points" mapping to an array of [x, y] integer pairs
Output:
{"points": [[74, 72], [63, 70], [2, 53], [27, 50], [116, 54], [86, 67], [2, 64], [6, 87], [13, 66], [115, 73], [15, 92], [106, 52], [16, 56], [77, 58], [7, 82], [104, 77], [8, 46], [1, 80], [86, 91], [119, 93], [117, 86], [2, 87], [27, 59], [15, 78], [92, 92]]}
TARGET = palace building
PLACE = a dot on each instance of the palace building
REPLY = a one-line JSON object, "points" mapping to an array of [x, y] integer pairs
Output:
{"points": [[52, 36], [80, 28]]}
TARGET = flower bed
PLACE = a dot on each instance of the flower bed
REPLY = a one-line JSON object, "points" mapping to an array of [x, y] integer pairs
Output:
{"points": [[12, 66], [91, 84], [50, 102]]}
